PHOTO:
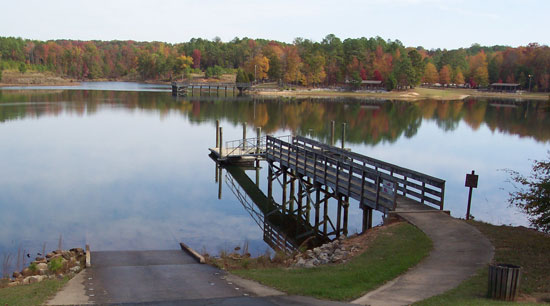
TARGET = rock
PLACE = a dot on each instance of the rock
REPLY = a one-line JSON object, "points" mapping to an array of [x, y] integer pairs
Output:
{"points": [[50, 255], [26, 272], [66, 255], [16, 274], [336, 258], [77, 250], [43, 272], [58, 252], [12, 284], [54, 256], [309, 253], [36, 278], [26, 280], [75, 269], [317, 251], [309, 264], [42, 266], [300, 263], [40, 259], [73, 262]]}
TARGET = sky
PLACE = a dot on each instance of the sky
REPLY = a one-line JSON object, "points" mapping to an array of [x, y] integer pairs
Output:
{"points": [[428, 23]]}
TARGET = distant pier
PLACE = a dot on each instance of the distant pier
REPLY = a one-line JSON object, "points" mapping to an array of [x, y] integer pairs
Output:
{"points": [[188, 88]]}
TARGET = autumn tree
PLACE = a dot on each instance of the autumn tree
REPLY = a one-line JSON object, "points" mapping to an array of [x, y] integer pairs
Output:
{"points": [[458, 76], [314, 70], [533, 194], [481, 76], [258, 66], [196, 58], [445, 75], [292, 65], [183, 65], [430, 74]]}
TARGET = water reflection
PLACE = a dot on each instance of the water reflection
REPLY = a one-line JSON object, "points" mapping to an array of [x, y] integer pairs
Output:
{"points": [[369, 122], [129, 169]]}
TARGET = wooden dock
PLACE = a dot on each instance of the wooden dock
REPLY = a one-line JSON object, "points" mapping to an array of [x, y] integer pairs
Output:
{"points": [[310, 173], [188, 88]]}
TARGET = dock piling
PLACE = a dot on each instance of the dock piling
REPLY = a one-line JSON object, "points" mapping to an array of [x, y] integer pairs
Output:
{"points": [[343, 135], [217, 133], [244, 136], [332, 133], [221, 141]]}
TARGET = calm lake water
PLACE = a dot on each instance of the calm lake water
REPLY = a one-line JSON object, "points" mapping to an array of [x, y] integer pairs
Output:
{"points": [[125, 166]]}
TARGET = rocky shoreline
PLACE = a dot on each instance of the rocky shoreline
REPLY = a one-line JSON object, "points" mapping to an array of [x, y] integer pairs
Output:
{"points": [[329, 253], [56, 264]]}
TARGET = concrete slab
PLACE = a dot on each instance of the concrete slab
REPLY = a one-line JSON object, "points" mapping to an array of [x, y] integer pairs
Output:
{"points": [[73, 293], [140, 258], [459, 251], [153, 276]]}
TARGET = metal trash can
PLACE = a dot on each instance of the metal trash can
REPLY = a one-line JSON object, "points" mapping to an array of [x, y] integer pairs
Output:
{"points": [[504, 281]]}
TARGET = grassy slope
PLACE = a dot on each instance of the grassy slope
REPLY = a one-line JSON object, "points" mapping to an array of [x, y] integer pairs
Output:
{"points": [[33, 294], [514, 245], [393, 251]]}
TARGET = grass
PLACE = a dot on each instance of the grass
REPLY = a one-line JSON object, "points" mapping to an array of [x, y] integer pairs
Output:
{"points": [[394, 250], [33, 294], [514, 245]]}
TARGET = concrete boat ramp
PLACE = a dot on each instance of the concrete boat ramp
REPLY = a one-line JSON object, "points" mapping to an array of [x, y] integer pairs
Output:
{"points": [[169, 277]]}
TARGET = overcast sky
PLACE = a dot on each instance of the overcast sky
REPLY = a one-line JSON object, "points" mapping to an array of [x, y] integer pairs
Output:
{"points": [[427, 23]]}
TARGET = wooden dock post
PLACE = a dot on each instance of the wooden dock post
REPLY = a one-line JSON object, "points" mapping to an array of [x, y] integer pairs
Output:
{"points": [[300, 200], [343, 135], [284, 189], [325, 215], [258, 144], [292, 191], [317, 206], [367, 218], [338, 216], [217, 133], [332, 133], [221, 142], [346, 206], [244, 136], [270, 181]]}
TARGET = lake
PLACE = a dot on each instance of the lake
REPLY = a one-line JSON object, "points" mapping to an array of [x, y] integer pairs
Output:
{"points": [[125, 166]]}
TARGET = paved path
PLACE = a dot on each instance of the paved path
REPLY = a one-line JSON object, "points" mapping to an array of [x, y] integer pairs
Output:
{"points": [[165, 278], [459, 251]]}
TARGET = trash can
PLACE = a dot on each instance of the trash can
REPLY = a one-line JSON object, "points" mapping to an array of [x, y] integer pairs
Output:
{"points": [[504, 281]]}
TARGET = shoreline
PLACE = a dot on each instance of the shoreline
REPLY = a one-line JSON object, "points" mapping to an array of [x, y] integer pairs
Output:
{"points": [[31, 79], [412, 95]]}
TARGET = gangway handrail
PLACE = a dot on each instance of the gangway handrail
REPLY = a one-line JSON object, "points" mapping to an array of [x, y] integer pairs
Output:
{"points": [[370, 180], [429, 189]]}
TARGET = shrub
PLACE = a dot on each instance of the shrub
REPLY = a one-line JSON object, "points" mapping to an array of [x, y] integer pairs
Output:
{"points": [[33, 267], [55, 264]]}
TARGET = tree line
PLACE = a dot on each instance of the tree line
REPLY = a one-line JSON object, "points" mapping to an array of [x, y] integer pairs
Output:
{"points": [[330, 62]]}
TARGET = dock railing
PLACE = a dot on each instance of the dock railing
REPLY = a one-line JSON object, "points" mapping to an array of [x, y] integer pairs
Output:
{"points": [[253, 146], [369, 187], [412, 184]]}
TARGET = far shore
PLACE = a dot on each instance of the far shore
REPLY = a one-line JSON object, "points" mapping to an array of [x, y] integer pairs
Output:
{"points": [[15, 78], [415, 94]]}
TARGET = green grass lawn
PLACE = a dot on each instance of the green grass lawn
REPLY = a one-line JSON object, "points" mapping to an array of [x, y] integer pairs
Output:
{"points": [[513, 245], [33, 294], [394, 250]]}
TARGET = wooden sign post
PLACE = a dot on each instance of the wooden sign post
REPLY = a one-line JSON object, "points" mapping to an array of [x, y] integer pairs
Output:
{"points": [[471, 181]]}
